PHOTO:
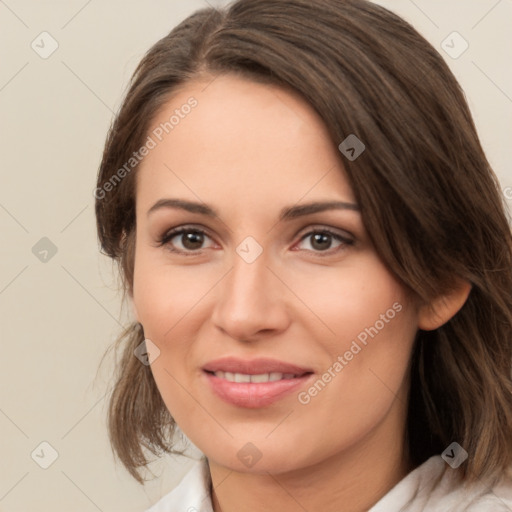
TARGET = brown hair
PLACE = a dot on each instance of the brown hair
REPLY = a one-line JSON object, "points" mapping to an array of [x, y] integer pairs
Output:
{"points": [[429, 199]]}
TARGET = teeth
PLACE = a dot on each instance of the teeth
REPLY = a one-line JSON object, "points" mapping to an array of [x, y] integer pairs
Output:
{"points": [[262, 377]]}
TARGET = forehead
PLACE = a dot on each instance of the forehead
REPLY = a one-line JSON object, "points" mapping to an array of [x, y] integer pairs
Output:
{"points": [[246, 137]]}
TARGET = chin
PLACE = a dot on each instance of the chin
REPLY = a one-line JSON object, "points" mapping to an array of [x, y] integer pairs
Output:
{"points": [[262, 457]]}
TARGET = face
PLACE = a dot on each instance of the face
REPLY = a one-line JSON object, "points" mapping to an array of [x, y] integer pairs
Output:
{"points": [[283, 339]]}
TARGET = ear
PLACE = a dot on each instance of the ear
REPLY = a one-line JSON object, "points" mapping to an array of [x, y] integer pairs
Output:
{"points": [[443, 308]]}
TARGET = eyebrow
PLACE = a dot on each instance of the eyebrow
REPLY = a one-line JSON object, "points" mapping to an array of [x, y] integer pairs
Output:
{"points": [[287, 213]]}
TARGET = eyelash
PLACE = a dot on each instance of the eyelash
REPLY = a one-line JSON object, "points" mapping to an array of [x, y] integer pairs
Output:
{"points": [[169, 235]]}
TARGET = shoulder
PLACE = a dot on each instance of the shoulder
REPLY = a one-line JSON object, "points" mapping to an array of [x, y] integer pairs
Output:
{"points": [[433, 486], [192, 494]]}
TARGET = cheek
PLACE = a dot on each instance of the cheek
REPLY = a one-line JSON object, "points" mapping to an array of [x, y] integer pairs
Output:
{"points": [[164, 295], [367, 329], [166, 300], [349, 299]]}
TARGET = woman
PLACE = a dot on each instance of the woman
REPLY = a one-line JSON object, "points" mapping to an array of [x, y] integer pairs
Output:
{"points": [[319, 262]]}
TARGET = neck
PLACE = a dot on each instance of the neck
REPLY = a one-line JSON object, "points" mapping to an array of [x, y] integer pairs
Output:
{"points": [[352, 480]]}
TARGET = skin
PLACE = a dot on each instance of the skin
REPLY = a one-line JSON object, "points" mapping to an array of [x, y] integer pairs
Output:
{"points": [[249, 150]]}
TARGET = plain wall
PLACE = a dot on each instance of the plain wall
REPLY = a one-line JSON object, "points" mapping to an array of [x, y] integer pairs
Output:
{"points": [[59, 312]]}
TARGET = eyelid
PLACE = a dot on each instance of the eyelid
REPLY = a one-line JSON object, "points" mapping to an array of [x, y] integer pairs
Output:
{"points": [[321, 228]]}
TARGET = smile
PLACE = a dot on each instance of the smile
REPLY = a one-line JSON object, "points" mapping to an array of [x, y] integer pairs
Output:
{"points": [[254, 383], [261, 377]]}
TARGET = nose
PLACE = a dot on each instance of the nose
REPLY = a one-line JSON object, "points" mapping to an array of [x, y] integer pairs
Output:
{"points": [[251, 303]]}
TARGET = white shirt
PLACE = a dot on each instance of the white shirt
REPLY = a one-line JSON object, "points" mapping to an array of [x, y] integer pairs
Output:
{"points": [[428, 488]]}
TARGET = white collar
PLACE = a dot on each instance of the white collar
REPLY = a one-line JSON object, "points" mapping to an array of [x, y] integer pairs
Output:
{"points": [[428, 488], [191, 495]]}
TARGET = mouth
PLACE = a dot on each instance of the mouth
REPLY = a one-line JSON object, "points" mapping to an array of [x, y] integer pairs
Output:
{"points": [[257, 378], [255, 383]]}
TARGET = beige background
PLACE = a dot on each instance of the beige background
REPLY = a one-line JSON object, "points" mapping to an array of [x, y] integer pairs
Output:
{"points": [[59, 315]]}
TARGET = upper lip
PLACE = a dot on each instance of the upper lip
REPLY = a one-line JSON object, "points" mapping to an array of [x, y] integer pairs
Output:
{"points": [[253, 366]]}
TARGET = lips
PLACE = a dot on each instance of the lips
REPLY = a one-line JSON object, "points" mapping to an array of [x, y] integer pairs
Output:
{"points": [[254, 383]]}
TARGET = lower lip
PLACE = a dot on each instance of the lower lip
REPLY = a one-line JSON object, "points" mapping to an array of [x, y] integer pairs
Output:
{"points": [[254, 394]]}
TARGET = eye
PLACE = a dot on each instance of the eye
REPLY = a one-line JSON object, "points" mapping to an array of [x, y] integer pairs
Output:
{"points": [[184, 240], [189, 241], [321, 240]]}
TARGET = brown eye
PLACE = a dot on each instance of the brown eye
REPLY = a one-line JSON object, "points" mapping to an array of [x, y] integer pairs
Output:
{"points": [[184, 240], [192, 240], [322, 241]]}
